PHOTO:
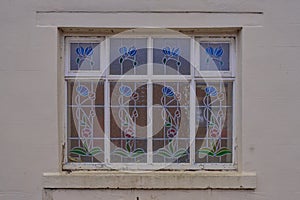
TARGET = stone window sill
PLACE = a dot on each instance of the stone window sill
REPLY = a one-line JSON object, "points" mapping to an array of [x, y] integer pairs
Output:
{"points": [[150, 180]]}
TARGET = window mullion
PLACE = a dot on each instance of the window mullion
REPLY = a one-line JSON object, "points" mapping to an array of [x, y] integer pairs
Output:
{"points": [[192, 121], [149, 101], [107, 124], [149, 123]]}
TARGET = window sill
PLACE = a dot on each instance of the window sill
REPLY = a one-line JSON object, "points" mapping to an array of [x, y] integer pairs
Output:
{"points": [[149, 180]]}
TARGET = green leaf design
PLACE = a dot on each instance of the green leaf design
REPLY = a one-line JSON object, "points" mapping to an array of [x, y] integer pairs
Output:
{"points": [[82, 123], [96, 150], [121, 152], [214, 147], [85, 146], [128, 148], [121, 60], [223, 151], [77, 60], [164, 60], [78, 151], [206, 151], [168, 124], [164, 153], [180, 153], [171, 147], [137, 152]]}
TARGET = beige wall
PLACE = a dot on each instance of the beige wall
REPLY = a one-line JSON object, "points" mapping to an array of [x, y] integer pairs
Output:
{"points": [[29, 143]]}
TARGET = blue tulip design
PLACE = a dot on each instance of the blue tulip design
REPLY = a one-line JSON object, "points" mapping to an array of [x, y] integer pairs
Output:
{"points": [[132, 51], [88, 51], [168, 91], [80, 51], [82, 90], [125, 90], [210, 51], [211, 91], [218, 52]]}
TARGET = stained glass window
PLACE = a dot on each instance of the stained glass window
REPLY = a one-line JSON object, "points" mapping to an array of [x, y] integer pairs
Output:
{"points": [[85, 56], [148, 109], [85, 107], [128, 56], [128, 122], [170, 108], [214, 56], [171, 56], [214, 122]]}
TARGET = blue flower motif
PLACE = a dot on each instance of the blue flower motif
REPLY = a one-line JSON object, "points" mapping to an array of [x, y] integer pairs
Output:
{"points": [[88, 51], [211, 91], [125, 90], [82, 90], [210, 51], [168, 91], [168, 52], [123, 51], [217, 52], [130, 52]]}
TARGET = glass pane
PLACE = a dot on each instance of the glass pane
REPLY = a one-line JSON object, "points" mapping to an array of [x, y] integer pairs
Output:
{"points": [[85, 56], [214, 56], [171, 56], [128, 122], [170, 130], [85, 109], [128, 56], [214, 122]]}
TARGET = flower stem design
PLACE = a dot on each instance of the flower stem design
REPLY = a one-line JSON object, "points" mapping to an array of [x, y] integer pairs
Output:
{"points": [[214, 124]]}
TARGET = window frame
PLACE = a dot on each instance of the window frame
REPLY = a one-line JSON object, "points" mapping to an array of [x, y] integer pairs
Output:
{"points": [[94, 75]]}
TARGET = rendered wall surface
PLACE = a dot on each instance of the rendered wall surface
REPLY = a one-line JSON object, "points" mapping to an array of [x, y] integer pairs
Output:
{"points": [[29, 142]]}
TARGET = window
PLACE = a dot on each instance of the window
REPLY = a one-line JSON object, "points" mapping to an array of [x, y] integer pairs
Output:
{"points": [[150, 101]]}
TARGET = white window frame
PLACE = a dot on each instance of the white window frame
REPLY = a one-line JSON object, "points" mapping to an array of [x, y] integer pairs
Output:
{"points": [[193, 77]]}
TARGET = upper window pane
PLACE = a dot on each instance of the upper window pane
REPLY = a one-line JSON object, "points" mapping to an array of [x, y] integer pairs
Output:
{"points": [[171, 56], [85, 56], [128, 56], [214, 56]]}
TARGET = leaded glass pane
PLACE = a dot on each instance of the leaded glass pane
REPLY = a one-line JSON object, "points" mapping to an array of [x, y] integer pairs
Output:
{"points": [[128, 56], [214, 122], [85, 109], [171, 56], [170, 130], [85, 56], [128, 122], [214, 56]]}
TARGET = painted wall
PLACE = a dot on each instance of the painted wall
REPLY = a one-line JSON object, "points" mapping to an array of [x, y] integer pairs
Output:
{"points": [[29, 143]]}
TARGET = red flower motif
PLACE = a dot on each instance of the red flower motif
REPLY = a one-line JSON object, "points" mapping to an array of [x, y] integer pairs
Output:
{"points": [[178, 96], [214, 133], [135, 96], [92, 95], [171, 132], [177, 113], [129, 133], [135, 114], [86, 132]]}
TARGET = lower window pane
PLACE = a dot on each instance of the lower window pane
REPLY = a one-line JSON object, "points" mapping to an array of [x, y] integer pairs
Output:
{"points": [[128, 122], [170, 131], [213, 140], [85, 114]]}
